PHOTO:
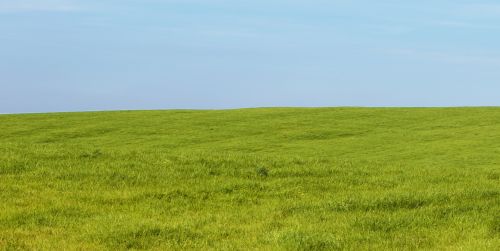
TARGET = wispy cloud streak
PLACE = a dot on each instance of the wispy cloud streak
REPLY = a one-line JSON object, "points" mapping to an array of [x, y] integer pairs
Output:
{"points": [[446, 57], [38, 5]]}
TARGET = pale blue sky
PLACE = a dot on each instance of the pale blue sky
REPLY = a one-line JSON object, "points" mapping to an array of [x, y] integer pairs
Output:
{"points": [[74, 55]]}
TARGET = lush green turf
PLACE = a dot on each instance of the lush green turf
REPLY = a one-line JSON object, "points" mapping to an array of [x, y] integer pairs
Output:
{"points": [[289, 179]]}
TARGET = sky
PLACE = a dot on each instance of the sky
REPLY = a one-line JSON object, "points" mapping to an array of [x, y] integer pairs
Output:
{"points": [[81, 55]]}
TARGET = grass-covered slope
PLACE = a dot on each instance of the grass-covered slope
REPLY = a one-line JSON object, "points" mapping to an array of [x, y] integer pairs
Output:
{"points": [[286, 179]]}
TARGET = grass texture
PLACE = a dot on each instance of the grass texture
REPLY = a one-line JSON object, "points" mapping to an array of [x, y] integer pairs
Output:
{"points": [[252, 179]]}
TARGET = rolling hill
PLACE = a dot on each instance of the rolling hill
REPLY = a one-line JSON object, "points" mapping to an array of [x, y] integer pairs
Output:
{"points": [[265, 179]]}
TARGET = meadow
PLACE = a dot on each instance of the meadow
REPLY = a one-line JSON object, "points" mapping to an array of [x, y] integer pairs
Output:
{"points": [[252, 179]]}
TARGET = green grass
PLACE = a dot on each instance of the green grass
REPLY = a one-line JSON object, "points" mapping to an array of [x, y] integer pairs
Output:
{"points": [[265, 179]]}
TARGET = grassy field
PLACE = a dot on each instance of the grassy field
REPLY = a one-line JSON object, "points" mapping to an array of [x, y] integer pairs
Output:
{"points": [[265, 179]]}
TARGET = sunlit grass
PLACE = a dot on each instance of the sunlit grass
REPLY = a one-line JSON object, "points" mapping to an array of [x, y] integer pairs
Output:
{"points": [[286, 179]]}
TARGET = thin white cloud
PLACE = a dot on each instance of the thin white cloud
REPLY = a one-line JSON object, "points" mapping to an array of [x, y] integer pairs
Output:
{"points": [[484, 10], [447, 57], [38, 5], [476, 25]]}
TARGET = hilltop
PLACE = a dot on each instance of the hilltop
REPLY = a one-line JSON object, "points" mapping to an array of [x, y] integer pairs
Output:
{"points": [[275, 178]]}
